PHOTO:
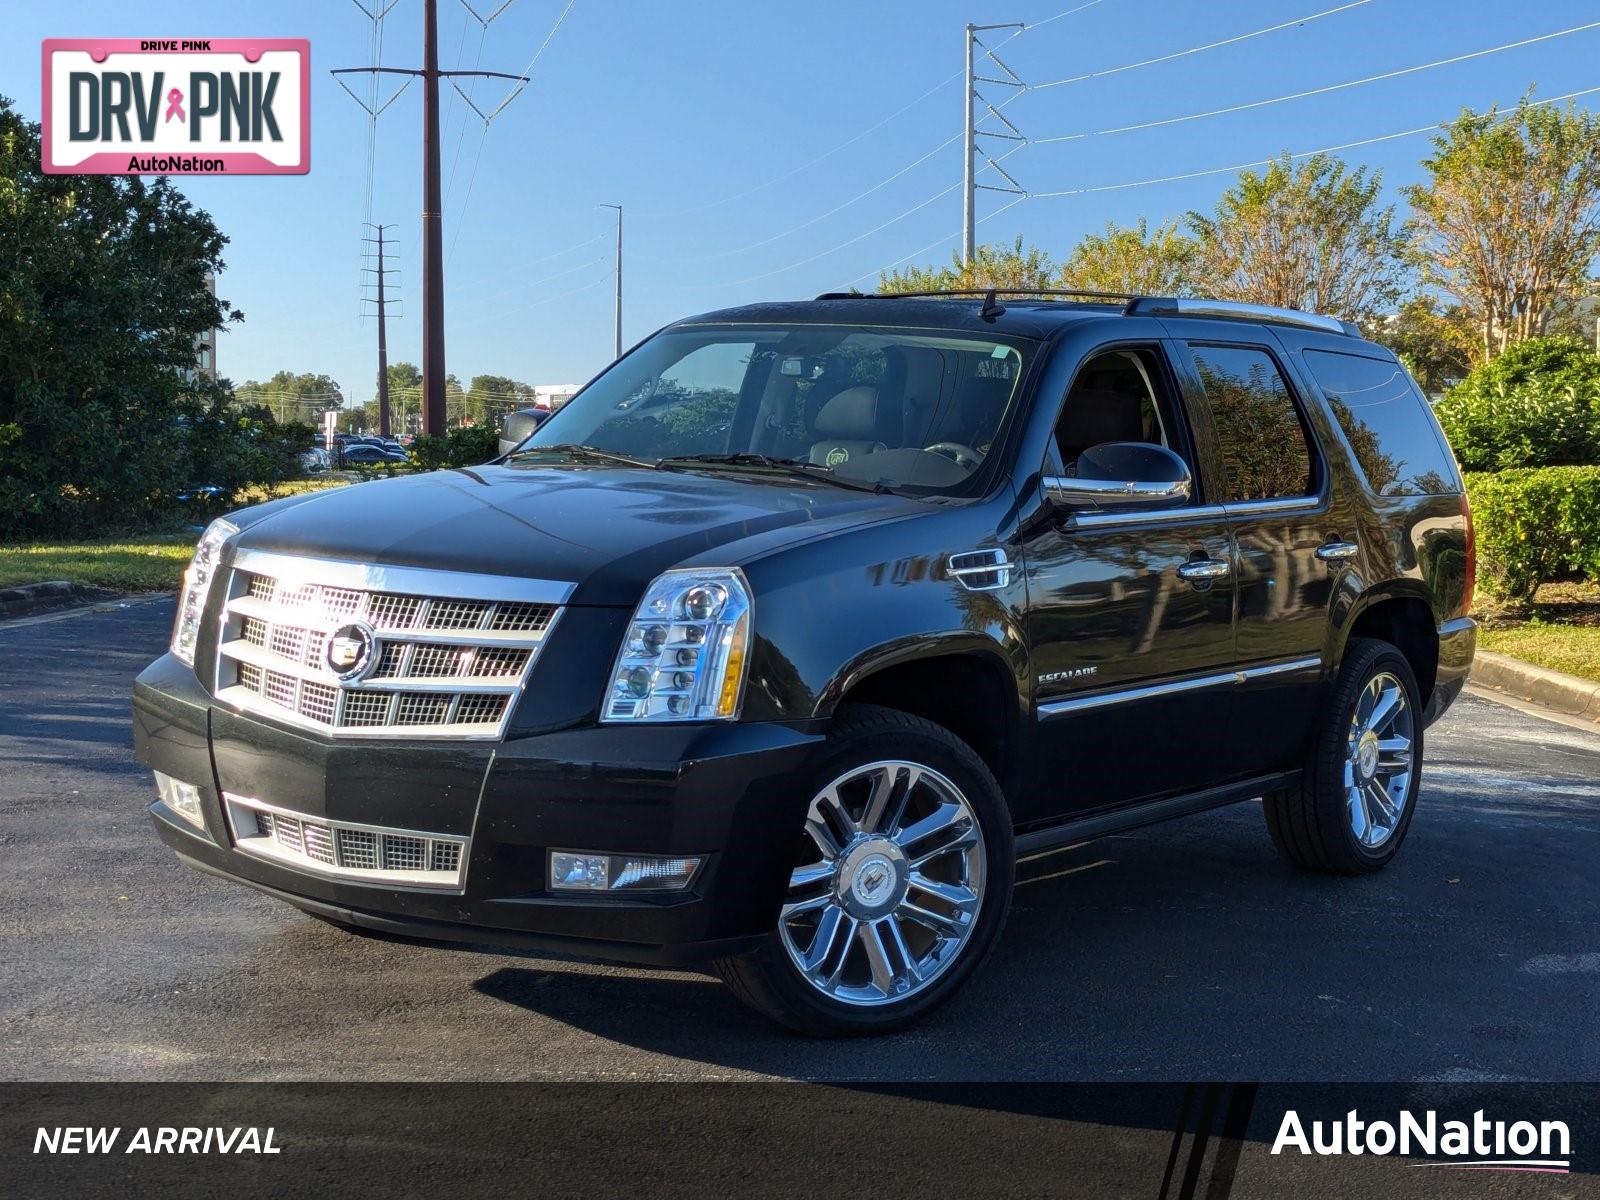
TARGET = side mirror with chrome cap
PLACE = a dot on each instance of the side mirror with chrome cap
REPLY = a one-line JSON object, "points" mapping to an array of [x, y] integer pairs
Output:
{"points": [[1124, 475]]}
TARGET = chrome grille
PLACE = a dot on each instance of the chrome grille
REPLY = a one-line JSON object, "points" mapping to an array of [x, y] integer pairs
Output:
{"points": [[451, 652], [361, 853]]}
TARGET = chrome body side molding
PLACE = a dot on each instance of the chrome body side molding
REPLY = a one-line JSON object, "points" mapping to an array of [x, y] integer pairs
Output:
{"points": [[1056, 708]]}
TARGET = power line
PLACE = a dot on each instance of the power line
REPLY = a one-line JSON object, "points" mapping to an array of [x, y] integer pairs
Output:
{"points": [[1320, 91], [1386, 137], [850, 141], [939, 241], [918, 207], [1111, 187], [1068, 13], [1165, 58]]}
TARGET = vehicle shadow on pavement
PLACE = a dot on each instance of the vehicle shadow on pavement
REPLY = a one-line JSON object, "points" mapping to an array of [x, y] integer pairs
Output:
{"points": [[1189, 946]]}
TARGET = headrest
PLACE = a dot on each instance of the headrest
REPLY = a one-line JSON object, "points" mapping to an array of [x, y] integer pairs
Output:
{"points": [[1092, 417], [853, 413]]}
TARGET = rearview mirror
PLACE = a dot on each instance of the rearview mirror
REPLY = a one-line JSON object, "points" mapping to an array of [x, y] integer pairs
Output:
{"points": [[1124, 475], [519, 427]]}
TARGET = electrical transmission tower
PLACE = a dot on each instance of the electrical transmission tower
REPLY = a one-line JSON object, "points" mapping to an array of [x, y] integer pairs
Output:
{"points": [[433, 368], [971, 149], [382, 300]]}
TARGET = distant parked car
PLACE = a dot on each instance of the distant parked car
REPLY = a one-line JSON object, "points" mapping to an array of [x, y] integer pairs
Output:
{"points": [[314, 460], [370, 454]]}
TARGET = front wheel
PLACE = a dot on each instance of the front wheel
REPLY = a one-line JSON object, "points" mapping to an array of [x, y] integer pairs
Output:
{"points": [[901, 882], [1353, 806]]}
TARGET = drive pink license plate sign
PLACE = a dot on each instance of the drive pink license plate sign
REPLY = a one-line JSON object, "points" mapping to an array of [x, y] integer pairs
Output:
{"points": [[150, 106]]}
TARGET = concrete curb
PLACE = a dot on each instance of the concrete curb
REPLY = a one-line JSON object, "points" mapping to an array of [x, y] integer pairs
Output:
{"points": [[1538, 685], [29, 598]]}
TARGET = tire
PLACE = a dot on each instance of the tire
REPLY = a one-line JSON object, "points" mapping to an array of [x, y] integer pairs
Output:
{"points": [[883, 968], [1333, 821]]}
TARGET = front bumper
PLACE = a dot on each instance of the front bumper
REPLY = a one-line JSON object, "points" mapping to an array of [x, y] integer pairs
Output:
{"points": [[733, 793]]}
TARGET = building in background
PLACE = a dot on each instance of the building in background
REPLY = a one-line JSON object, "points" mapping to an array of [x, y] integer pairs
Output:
{"points": [[205, 347], [553, 395]]}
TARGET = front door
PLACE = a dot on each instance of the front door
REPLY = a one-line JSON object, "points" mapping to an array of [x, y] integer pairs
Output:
{"points": [[1130, 618]]}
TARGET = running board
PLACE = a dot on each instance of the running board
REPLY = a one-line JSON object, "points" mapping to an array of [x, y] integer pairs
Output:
{"points": [[1149, 812]]}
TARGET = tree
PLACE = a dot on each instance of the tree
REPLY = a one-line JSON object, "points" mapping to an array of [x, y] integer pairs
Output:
{"points": [[1433, 340], [1508, 222], [492, 396], [1133, 260], [293, 397], [1309, 235], [103, 291], [997, 266]]}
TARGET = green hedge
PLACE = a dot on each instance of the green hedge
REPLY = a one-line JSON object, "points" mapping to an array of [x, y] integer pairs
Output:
{"points": [[1537, 405], [466, 446], [1534, 525]]}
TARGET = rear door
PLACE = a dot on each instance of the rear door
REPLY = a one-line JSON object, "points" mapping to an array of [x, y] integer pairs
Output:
{"points": [[1291, 531]]}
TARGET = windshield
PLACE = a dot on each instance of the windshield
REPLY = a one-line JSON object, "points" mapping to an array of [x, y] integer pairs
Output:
{"points": [[912, 409]]}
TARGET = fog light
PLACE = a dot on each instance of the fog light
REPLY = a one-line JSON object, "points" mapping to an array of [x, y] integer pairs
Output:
{"points": [[182, 798], [579, 872], [570, 872]]}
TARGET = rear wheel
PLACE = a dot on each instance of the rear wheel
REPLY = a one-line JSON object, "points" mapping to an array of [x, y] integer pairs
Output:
{"points": [[1354, 804], [901, 882]]}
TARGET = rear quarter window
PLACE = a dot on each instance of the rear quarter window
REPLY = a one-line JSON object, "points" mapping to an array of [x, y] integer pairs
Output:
{"points": [[1395, 438]]}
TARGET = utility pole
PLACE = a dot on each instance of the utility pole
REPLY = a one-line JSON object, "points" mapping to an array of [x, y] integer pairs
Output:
{"points": [[383, 322], [969, 223], [433, 415], [433, 368], [616, 337], [969, 170]]}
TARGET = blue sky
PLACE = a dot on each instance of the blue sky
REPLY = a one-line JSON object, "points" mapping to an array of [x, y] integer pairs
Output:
{"points": [[705, 119]]}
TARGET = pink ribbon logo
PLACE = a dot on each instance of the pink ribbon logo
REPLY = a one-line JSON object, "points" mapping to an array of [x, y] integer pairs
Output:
{"points": [[175, 105]]}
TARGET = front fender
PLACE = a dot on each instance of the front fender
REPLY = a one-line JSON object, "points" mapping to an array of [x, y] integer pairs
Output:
{"points": [[830, 614]]}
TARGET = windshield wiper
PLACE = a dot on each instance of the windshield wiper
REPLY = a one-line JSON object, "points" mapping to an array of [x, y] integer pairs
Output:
{"points": [[791, 466], [579, 451]]}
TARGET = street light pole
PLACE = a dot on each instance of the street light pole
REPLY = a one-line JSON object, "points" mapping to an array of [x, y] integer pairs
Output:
{"points": [[616, 336]]}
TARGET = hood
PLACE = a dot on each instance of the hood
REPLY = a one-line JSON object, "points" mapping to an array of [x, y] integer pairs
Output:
{"points": [[609, 530]]}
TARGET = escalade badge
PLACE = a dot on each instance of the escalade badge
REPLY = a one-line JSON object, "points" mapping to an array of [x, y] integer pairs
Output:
{"points": [[350, 651]]}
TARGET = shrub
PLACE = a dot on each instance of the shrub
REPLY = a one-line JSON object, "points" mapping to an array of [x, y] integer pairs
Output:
{"points": [[1537, 405], [464, 446], [1534, 525]]}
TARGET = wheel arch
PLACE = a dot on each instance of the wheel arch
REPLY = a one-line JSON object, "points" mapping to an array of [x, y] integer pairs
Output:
{"points": [[962, 682], [1406, 620]]}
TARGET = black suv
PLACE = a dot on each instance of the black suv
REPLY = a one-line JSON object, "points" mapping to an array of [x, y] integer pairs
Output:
{"points": [[781, 642]]}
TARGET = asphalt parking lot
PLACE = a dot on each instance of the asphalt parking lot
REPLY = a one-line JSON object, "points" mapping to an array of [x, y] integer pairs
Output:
{"points": [[1184, 951]]}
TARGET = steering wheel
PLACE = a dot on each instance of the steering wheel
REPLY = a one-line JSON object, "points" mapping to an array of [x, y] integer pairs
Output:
{"points": [[958, 452]]}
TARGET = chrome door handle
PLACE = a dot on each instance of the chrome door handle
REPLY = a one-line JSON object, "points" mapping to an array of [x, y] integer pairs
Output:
{"points": [[1338, 551], [1204, 568]]}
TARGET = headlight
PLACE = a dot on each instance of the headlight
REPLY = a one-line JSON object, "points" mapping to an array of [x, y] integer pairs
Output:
{"points": [[197, 586], [684, 655]]}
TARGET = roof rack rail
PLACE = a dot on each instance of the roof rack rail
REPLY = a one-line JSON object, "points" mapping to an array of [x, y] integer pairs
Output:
{"points": [[952, 293], [1191, 306], [1134, 305]]}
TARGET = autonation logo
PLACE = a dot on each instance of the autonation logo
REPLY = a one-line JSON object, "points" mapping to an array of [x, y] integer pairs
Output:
{"points": [[1476, 1145]]}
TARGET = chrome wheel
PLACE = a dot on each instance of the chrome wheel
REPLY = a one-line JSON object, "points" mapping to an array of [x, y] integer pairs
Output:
{"points": [[1378, 762], [889, 885]]}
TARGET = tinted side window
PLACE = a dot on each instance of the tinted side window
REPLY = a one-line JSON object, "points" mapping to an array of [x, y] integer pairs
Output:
{"points": [[1386, 421], [1259, 429]]}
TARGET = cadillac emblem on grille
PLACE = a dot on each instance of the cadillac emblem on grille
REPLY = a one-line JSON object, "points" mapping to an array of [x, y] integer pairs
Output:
{"points": [[357, 651], [350, 651]]}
